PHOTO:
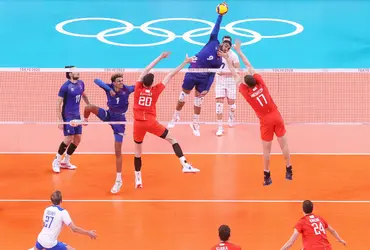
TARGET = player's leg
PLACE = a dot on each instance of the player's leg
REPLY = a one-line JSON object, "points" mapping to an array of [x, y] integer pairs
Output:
{"points": [[267, 135], [99, 112], [66, 162], [198, 100], [119, 130], [231, 100], [280, 132], [159, 130], [187, 86], [140, 129], [220, 92], [68, 132]]}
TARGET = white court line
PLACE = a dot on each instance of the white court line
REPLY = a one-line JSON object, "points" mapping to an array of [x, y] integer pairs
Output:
{"points": [[188, 201], [187, 153]]}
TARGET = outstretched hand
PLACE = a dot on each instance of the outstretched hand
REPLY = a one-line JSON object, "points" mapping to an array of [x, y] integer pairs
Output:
{"points": [[222, 54], [192, 59], [165, 54], [237, 45]]}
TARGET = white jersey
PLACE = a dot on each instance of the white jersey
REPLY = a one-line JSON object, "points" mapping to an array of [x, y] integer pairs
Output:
{"points": [[54, 218], [225, 83], [224, 68]]}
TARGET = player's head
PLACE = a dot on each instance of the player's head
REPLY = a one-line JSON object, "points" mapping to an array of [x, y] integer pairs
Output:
{"points": [[307, 207], [148, 80], [72, 75], [226, 44], [224, 232], [250, 81], [56, 197], [117, 80]]}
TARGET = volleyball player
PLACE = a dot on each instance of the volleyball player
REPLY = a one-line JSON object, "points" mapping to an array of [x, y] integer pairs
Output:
{"points": [[68, 109]]}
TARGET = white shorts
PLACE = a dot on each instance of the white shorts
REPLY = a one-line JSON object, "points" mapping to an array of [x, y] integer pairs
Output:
{"points": [[225, 87]]}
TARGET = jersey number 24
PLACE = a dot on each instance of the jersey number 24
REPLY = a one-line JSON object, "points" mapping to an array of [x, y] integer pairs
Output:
{"points": [[318, 228], [145, 101]]}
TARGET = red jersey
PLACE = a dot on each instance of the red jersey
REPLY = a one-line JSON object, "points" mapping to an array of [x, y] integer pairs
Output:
{"points": [[145, 100], [258, 97], [226, 246], [313, 232]]}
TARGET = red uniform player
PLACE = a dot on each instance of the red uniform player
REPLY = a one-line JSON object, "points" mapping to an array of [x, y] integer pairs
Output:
{"points": [[224, 235], [313, 229], [145, 118], [256, 93]]}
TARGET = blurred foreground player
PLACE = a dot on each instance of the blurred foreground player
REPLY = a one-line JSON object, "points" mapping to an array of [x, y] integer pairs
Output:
{"points": [[202, 81], [145, 99], [117, 94], [224, 235], [68, 107], [313, 229], [256, 93], [53, 220]]}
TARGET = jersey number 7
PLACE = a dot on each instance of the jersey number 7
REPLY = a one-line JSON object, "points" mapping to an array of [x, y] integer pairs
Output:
{"points": [[145, 101], [261, 99]]}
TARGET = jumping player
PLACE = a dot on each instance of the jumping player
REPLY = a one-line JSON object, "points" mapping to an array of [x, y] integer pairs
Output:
{"points": [[313, 229], [226, 87], [117, 94], [53, 220], [145, 99], [206, 58], [224, 235], [68, 107], [256, 93]]}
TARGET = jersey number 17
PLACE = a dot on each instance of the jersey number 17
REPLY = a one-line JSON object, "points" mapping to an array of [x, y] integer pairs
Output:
{"points": [[262, 100]]}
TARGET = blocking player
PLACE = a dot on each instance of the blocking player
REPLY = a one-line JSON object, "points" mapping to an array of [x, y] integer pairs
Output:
{"points": [[256, 93], [145, 99], [224, 235], [202, 81], [117, 94], [68, 109], [226, 88], [53, 220], [313, 229]]}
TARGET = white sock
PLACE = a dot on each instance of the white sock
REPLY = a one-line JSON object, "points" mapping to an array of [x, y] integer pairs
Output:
{"points": [[196, 118], [219, 123], [182, 160], [231, 112], [59, 157], [67, 157], [177, 113], [119, 177]]}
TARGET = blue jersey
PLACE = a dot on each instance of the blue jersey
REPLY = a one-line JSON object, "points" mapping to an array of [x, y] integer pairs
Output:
{"points": [[119, 103], [207, 57], [71, 94]]}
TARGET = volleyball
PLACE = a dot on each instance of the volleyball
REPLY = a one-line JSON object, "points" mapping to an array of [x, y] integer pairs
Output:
{"points": [[222, 8]]}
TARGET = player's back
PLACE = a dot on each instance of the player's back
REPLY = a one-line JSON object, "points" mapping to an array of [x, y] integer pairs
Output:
{"points": [[145, 100], [71, 94], [226, 246], [313, 230], [54, 217], [258, 97]]}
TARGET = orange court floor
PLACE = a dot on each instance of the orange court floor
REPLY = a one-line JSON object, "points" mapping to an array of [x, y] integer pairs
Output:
{"points": [[183, 211]]}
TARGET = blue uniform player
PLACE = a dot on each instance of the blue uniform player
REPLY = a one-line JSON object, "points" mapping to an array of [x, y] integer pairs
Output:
{"points": [[117, 95], [207, 58], [69, 98]]}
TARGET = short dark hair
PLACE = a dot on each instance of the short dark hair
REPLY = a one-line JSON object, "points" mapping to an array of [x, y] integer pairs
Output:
{"points": [[224, 232], [250, 81], [56, 197], [227, 38], [115, 76], [67, 73], [307, 206], [148, 79]]}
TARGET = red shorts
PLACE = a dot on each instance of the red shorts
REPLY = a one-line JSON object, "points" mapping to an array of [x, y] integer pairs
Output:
{"points": [[272, 124], [151, 126]]}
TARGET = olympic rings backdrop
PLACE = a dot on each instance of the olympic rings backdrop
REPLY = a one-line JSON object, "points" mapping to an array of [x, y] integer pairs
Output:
{"points": [[116, 34]]}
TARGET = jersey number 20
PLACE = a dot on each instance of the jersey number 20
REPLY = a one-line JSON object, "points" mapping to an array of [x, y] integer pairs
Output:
{"points": [[318, 228], [145, 101], [48, 221]]}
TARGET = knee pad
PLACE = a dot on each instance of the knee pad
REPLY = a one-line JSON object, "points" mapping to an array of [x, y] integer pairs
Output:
{"points": [[198, 101], [219, 108], [182, 96], [232, 107]]}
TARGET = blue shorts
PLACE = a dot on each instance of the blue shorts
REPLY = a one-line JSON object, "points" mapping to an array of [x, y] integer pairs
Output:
{"points": [[118, 129], [198, 80], [68, 129], [58, 246]]}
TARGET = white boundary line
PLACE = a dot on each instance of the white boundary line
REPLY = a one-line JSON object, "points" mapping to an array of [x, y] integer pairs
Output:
{"points": [[188, 201], [187, 153]]}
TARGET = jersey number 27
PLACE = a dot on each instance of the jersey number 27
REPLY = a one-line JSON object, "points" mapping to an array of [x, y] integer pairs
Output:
{"points": [[48, 221], [145, 101], [318, 228]]}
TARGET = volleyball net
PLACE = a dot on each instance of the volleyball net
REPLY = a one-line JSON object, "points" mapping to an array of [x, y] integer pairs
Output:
{"points": [[29, 96]]}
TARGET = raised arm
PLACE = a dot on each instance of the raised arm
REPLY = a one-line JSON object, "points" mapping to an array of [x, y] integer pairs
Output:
{"points": [[336, 235], [169, 76], [291, 241], [104, 86], [245, 60], [216, 28], [152, 65]]}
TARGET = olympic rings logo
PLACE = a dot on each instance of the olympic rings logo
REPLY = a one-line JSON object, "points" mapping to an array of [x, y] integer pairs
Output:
{"points": [[170, 36]]}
